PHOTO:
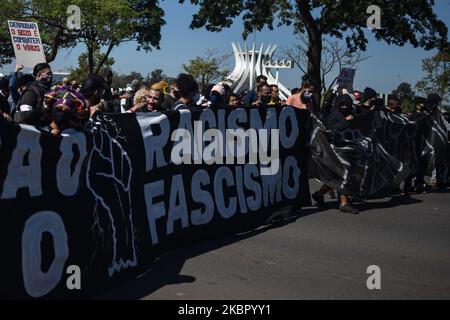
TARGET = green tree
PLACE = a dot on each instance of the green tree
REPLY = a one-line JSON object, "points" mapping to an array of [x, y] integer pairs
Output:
{"points": [[406, 95], [109, 23], [208, 69], [51, 16], [122, 80], [156, 76], [437, 75], [82, 72], [408, 21], [105, 24]]}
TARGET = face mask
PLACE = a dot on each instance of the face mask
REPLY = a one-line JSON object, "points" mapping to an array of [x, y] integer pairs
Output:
{"points": [[46, 83], [216, 98], [346, 111], [266, 99], [306, 97]]}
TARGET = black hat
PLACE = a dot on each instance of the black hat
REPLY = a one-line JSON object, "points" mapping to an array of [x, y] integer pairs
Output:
{"points": [[40, 67], [369, 93]]}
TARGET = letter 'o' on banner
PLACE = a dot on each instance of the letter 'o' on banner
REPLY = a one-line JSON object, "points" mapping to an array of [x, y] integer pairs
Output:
{"points": [[36, 282]]}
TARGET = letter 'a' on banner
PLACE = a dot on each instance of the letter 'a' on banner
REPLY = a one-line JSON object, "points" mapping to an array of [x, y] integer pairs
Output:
{"points": [[27, 43]]}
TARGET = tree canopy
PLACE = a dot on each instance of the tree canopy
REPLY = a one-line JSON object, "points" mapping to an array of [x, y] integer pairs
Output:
{"points": [[104, 24], [437, 75], [207, 69], [402, 22]]}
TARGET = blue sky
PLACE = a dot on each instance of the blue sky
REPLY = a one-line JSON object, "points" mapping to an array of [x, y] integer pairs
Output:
{"points": [[384, 70]]}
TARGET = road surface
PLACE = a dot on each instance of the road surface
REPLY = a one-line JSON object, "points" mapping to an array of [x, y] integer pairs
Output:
{"points": [[319, 255]]}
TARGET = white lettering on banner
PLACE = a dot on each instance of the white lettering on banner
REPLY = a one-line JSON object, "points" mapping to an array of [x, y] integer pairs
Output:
{"points": [[287, 115], [21, 175], [233, 144], [154, 144], [224, 174], [225, 190], [154, 210], [67, 180], [250, 173], [200, 196], [213, 152], [177, 212], [36, 282]]}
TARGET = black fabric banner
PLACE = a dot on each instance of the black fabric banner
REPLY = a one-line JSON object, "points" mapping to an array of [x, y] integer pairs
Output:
{"points": [[376, 151], [436, 149], [85, 212]]}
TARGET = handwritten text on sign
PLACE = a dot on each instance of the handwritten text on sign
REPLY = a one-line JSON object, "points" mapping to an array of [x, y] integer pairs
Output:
{"points": [[27, 43]]}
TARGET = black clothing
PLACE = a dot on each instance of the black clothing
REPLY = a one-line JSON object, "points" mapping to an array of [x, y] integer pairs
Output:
{"points": [[168, 103], [30, 108], [5, 107]]}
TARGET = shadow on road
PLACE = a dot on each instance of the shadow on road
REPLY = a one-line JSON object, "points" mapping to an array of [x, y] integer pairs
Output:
{"points": [[166, 269]]}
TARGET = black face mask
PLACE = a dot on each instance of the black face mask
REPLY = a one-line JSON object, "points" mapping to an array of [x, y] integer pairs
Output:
{"points": [[216, 99], [266, 99], [346, 111], [46, 83]]}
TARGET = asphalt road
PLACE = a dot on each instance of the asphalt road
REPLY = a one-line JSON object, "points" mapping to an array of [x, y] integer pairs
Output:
{"points": [[319, 255]]}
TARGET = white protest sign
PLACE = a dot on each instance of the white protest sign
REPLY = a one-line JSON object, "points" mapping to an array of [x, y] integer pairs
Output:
{"points": [[346, 78], [27, 43]]}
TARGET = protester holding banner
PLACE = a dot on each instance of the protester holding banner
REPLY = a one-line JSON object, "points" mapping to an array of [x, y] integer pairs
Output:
{"points": [[338, 118]]}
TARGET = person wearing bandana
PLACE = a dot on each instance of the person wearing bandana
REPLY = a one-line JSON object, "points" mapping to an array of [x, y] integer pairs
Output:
{"points": [[30, 106], [342, 112]]}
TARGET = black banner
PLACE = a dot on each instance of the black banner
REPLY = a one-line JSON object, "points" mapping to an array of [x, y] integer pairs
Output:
{"points": [[376, 151], [85, 212], [353, 161]]}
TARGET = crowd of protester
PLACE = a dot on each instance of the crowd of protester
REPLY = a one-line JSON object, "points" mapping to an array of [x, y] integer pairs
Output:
{"points": [[33, 100]]}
